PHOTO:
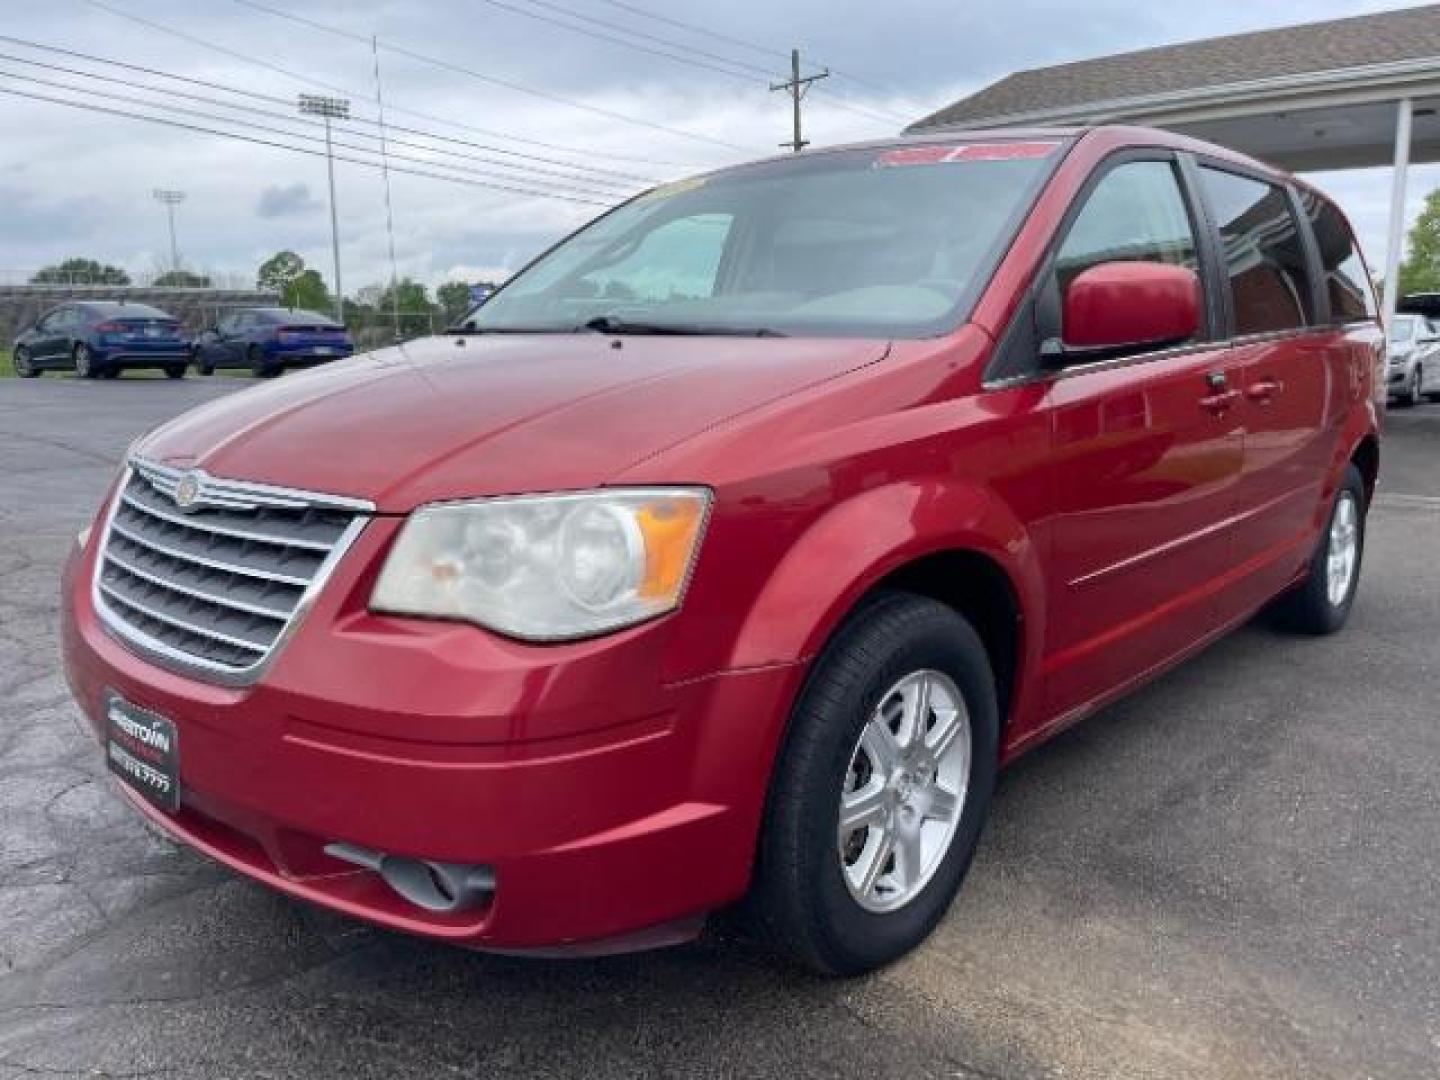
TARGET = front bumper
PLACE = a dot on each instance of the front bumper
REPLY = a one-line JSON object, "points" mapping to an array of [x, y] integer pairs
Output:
{"points": [[606, 801]]}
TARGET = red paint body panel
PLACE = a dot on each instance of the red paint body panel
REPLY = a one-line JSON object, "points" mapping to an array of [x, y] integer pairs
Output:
{"points": [[619, 783]]}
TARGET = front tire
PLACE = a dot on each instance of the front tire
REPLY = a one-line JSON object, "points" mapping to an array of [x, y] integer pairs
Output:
{"points": [[24, 367], [1321, 603], [881, 788], [261, 368], [85, 362], [175, 371]]}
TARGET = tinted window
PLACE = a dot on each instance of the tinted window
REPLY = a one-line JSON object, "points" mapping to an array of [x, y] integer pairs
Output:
{"points": [[276, 316], [1351, 297], [1264, 254], [870, 242], [124, 311], [1135, 214]]}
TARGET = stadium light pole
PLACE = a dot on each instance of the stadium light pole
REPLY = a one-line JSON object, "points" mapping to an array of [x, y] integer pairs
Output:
{"points": [[330, 108], [170, 199]]}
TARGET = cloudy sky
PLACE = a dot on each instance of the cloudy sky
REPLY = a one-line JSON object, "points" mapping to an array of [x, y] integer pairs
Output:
{"points": [[553, 100]]}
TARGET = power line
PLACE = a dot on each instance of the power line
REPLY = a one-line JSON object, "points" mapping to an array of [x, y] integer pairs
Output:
{"points": [[602, 186], [602, 35], [460, 69], [89, 107], [681, 24], [766, 50], [310, 80], [630, 32], [602, 194], [285, 102]]}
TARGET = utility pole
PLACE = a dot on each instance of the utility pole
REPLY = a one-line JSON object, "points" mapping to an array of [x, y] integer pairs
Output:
{"points": [[170, 199], [330, 109], [385, 173], [797, 89]]}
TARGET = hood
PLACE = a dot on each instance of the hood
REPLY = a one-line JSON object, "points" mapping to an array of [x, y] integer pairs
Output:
{"points": [[454, 418]]}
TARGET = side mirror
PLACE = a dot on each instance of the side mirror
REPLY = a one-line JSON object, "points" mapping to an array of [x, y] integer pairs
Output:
{"points": [[1129, 305]]}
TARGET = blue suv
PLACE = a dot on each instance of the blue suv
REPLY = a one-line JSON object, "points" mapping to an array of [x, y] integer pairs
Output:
{"points": [[268, 340], [100, 339]]}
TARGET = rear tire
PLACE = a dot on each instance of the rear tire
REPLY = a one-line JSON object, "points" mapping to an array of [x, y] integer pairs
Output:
{"points": [[1321, 603], [842, 900], [85, 362], [175, 371], [1433, 397], [23, 365], [1411, 395]]}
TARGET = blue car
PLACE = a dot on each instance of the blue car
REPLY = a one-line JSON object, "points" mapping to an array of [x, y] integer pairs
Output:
{"points": [[269, 340], [99, 340]]}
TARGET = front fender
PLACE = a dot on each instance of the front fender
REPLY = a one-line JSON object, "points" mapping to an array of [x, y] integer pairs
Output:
{"points": [[857, 543]]}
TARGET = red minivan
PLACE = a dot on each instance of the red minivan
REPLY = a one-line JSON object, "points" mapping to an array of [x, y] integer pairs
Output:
{"points": [[731, 548]]}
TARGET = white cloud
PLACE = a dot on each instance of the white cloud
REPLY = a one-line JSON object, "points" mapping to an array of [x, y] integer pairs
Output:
{"points": [[247, 201]]}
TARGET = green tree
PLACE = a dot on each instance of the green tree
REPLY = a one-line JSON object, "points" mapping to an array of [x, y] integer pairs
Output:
{"points": [[413, 298], [181, 279], [1420, 272], [279, 271], [79, 271], [454, 298], [308, 291]]}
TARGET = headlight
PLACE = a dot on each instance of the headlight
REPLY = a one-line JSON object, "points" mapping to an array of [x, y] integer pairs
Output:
{"points": [[549, 567]]}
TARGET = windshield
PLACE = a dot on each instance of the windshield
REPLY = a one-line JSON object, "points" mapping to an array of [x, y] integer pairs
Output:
{"points": [[889, 242], [1402, 330]]}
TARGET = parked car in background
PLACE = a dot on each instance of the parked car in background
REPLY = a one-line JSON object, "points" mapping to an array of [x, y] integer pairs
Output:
{"points": [[269, 340], [99, 339], [1411, 343], [735, 544]]}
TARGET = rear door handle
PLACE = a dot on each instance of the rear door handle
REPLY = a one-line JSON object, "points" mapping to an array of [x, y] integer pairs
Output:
{"points": [[1265, 390]]}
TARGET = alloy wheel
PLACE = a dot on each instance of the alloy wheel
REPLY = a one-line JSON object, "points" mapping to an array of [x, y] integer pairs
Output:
{"points": [[1344, 549], [904, 791]]}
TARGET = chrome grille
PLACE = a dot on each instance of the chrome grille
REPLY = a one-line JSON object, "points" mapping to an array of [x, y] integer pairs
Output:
{"points": [[209, 576]]}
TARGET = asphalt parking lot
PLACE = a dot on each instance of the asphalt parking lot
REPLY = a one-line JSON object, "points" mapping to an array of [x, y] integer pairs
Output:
{"points": [[1232, 874]]}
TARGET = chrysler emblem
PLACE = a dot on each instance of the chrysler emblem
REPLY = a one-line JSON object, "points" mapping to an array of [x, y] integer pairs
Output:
{"points": [[187, 491]]}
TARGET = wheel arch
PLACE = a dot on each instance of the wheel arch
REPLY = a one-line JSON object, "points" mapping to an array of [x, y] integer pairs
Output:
{"points": [[1366, 458], [952, 541]]}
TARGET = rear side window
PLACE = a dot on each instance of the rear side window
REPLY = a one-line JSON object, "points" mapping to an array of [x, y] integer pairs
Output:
{"points": [[1264, 255], [1136, 213], [1351, 297]]}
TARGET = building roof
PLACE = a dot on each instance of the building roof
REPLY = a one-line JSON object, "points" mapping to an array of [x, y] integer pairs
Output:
{"points": [[1361, 41]]}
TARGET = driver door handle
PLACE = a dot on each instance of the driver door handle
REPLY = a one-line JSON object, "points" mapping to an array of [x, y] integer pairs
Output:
{"points": [[1221, 397]]}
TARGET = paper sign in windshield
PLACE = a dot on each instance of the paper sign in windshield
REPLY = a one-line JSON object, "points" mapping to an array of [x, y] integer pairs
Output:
{"points": [[944, 155]]}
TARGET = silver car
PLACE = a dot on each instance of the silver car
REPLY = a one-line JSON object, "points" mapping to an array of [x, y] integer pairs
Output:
{"points": [[1412, 360]]}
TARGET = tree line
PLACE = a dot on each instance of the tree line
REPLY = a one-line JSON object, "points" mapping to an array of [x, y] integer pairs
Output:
{"points": [[297, 285]]}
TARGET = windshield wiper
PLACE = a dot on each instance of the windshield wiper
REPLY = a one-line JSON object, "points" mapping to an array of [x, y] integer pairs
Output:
{"points": [[610, 324]]}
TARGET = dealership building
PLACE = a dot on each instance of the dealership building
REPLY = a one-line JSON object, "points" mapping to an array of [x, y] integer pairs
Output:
{"points": [[1344, 94]]}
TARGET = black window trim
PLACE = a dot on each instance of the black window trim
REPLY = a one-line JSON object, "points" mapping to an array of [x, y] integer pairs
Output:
{"points": [[1319, 300]]}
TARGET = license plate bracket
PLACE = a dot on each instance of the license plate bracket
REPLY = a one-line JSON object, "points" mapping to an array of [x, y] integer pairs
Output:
{"points": [[143, 750]]}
